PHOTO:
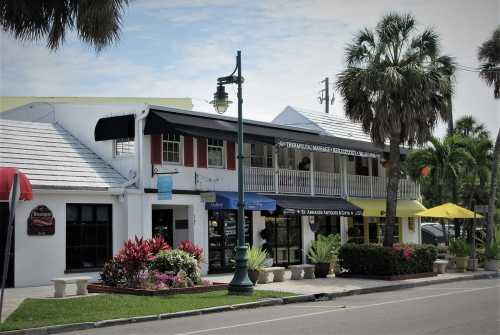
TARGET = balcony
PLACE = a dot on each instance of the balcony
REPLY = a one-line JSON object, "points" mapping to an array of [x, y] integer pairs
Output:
{"points": [[319, 183]]}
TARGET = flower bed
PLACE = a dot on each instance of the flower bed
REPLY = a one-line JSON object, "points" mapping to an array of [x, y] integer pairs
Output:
{"points": [[378, 262], [147, 266], [100, 288]]}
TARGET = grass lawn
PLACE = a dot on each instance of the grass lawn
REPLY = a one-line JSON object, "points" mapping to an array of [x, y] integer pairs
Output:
{"points": [[43, 312]]}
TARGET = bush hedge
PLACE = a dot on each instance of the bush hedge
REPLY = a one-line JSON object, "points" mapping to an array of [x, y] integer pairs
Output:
{"points": [[376, 260]]}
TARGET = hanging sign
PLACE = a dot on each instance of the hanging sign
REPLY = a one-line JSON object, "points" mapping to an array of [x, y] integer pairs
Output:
{"points": [[323, 148], [41, 221], [164, 186]]}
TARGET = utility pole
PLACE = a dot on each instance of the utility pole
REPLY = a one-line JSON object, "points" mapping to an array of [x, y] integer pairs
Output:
{"points": [[324, 95]]}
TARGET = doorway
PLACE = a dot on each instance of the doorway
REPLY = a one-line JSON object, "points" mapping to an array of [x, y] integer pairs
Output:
{"points": [[4, 222], [163, 224], [285, 239]]}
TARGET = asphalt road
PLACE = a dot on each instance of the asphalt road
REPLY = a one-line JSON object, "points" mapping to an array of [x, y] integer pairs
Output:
{"points": [[467, 307]]}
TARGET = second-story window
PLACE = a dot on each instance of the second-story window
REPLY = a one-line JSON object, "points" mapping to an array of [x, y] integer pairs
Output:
{"points": [[215, 149], [172, 148], [124, 147]]}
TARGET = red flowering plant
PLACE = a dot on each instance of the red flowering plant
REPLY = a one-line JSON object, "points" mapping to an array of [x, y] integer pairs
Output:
{"points": [[157, 244], [405, 250], [134, 257], [192, 249]]}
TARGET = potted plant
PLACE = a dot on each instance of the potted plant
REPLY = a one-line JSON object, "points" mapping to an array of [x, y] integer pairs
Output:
{"points": [[256, 258], [461, 250], [323, 253], [492, 255]]}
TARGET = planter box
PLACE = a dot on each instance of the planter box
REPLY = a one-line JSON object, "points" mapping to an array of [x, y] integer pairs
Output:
{"points": [[99, 288], [389, 277]]}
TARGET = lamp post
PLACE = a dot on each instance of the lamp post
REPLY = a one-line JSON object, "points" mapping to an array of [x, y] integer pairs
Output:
{"points": [[240, 284]]}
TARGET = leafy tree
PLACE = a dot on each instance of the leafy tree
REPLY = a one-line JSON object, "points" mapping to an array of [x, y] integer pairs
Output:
{"points": [[489, 57], [96, 22], [397, 85]]}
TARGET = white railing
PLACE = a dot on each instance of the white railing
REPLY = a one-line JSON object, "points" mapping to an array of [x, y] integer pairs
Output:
{"points": [[294, 181], [259, 179], [324, 183]]}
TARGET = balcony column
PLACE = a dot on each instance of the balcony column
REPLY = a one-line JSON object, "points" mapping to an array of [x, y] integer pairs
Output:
{"points": [[311, 171], [343, 172], [276, 169], [370, 173]]}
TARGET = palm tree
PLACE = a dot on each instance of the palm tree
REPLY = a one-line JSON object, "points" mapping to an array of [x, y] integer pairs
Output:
{"points": [[397, 85], [489, 56], [96, 22]]}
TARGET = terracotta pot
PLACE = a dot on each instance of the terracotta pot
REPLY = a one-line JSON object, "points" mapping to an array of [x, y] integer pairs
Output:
{"points": [[491, 265], [321, 270], [461, 263], [253, 275]]}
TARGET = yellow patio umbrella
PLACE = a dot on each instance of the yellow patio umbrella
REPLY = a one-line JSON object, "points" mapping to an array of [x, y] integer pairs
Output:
{"points": [[449, 211]]}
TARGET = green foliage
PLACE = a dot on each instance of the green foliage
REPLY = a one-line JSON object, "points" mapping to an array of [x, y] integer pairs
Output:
{"points": [[376, 260], [492, 251], [459, 247], [174, 261], [256, 258], [324, 248]]}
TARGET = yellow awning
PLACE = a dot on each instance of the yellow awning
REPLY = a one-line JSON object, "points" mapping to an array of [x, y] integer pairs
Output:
{"points": [[377, 207], [449, 211]]}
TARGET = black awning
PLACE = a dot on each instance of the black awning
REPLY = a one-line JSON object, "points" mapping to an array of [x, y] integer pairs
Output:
{"points": [[114, 127], [303, 205]]}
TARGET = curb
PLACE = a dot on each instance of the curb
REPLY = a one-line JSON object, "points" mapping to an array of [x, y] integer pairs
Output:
{"points": [[56, 329]]}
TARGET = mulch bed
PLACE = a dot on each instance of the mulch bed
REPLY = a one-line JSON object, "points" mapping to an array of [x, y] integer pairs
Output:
{"points": [[389, 277], [99, 288]]}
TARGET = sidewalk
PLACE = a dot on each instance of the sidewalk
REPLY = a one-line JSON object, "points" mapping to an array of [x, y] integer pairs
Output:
{"points": [[15, 296]]}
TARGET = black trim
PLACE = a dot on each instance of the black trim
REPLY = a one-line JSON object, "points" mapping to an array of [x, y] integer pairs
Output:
{"points": [[112, 128], [188, 192], [310, 205]]}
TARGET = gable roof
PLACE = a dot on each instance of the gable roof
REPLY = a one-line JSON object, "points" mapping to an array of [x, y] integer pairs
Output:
{"points": [[52, 158], [327, 124]]}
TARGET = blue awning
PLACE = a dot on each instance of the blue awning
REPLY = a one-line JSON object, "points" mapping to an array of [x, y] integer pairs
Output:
{"points": [[253, 202]]}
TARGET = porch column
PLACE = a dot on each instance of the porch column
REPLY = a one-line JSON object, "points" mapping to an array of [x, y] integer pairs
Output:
{"points": [[344, 227], [311, 170], [276, 168], [343, 171], [370, 173], [307, 236]]}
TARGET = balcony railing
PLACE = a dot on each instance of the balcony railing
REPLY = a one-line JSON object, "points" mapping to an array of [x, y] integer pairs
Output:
{"points": [[322, 183]]}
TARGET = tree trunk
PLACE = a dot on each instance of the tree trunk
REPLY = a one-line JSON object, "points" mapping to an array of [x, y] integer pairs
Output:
{"points": [[392, 190], [490, 236]]}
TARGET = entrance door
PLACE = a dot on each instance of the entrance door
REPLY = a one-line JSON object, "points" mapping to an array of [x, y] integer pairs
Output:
{"points": [[163, 224], [4, 221], [285, 239]]}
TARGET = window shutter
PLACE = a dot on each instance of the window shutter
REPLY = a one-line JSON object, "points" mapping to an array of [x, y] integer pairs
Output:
{"points": [[231, 161], [188, 151], [202, 152], [155, 149]]}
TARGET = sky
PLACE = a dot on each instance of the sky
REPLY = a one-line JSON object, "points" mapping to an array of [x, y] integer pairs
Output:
{"points": [[178, 48]]}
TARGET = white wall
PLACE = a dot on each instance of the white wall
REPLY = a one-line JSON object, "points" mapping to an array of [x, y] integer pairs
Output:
{"points": [[410, 236], [38, 259]]}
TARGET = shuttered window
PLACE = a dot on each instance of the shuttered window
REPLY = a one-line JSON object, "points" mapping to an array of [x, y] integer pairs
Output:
{"points": [[171, 146], [215, 153]]}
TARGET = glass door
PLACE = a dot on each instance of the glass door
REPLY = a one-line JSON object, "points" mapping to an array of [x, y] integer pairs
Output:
{"points": [[285, 239]]}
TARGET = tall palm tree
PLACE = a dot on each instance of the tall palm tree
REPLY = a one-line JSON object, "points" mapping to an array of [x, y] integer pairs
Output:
{"points": [[489, 58], [397, 84], [97, 22]]}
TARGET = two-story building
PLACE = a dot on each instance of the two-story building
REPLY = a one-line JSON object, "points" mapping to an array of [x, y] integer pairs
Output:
{"points": [[305, 174]]}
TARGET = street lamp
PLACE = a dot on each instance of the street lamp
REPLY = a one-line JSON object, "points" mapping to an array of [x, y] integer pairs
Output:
{"points": [[240, 284]]}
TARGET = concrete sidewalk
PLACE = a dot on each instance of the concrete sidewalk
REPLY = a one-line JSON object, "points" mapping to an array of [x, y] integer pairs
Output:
{"points": [[15, 296]]}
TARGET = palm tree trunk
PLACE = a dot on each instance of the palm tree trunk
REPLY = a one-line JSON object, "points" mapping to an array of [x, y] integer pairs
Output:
{"points": [[490, 235], [392, 190]]}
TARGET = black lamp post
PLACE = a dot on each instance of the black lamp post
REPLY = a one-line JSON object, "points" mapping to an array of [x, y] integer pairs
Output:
{"points": [[240, 284]]}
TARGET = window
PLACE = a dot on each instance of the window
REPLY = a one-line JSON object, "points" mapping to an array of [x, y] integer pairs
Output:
{"points": [[261, 155], [171, 148], [88, 236], [215, 150], [124, 147]]}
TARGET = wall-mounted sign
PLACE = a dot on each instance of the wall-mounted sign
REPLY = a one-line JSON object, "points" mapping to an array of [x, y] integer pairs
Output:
{"points": [[208, 196], [164, 185], [41, 221], [323, 148]]}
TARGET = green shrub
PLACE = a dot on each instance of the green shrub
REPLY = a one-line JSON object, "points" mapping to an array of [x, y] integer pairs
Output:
{"points": [[256, 258], [376, 260], [324, 249], [492, 251], [175, 261], [459, 247]]}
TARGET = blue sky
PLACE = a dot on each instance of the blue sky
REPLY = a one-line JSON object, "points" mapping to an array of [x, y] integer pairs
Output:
{"points": [[178, 48]]}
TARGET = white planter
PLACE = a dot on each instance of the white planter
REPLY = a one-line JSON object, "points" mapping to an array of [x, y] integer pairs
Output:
{"points": [[472, 264], [491, 265]]}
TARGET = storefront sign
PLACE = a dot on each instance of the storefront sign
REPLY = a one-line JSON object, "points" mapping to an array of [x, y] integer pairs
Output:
{"points": [[164, 185], [323, 148], [41, 221], [208, 196], [333, 212]]}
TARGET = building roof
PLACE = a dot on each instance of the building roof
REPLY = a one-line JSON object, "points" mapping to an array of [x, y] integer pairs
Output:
{"points": [[52, 158], [328, 124], [12, 102]]}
